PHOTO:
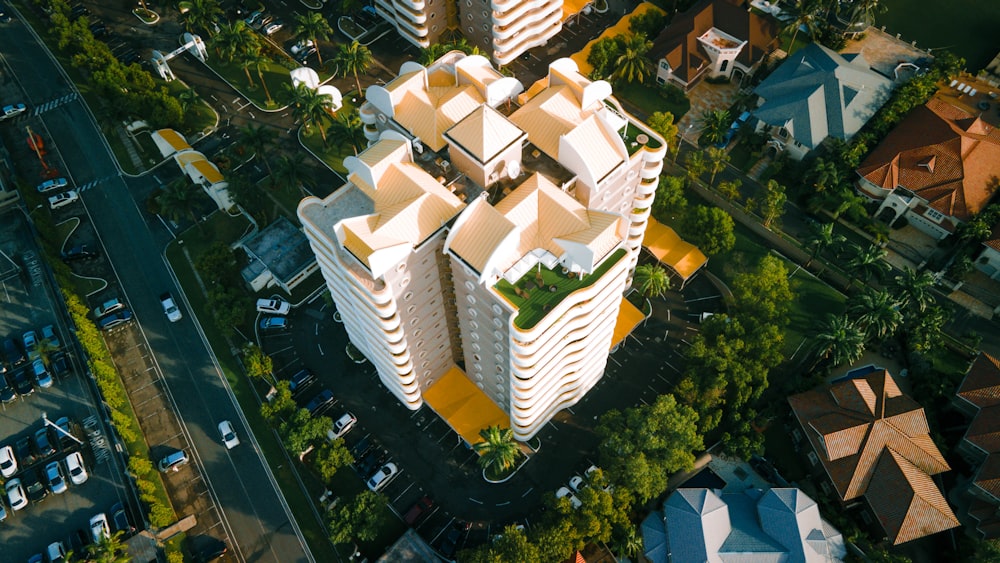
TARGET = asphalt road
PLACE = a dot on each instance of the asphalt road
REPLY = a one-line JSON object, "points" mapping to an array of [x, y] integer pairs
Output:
{"points": [[258, 519]]}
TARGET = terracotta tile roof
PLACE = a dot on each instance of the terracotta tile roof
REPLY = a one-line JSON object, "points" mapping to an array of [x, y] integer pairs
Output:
{"points": [[988, 477], [984, 430], [855, 426], [981, 385], [909, 504], [994, 240], [678, 42], [943, 154]]}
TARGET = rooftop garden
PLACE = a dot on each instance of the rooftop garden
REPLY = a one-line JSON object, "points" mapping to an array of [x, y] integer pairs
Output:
{"points": [[632, 139], [541, 289]]}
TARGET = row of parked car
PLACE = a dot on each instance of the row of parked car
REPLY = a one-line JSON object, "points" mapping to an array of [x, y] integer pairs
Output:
{"points": [[112, 313], [100, 526], [30, 471], [16, 380], [592, 476]]}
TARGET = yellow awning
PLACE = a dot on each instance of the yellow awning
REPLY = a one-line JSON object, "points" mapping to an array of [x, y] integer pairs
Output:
{"points": [[682, 257], [463, 406], [571, 8], [629, 317]]}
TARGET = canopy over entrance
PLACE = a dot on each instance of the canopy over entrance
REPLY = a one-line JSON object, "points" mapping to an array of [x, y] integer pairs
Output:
{"points": [[464, 406], [683, 258], [629, 317]]}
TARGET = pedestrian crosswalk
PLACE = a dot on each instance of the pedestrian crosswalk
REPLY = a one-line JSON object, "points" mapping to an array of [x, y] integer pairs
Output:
{"points": [[52, 104], [93, 183]]}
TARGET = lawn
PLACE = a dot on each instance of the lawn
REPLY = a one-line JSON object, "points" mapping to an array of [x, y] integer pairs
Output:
{"points": [[801, 40], [649, 99], [330, 155], [556, 286], [275, 78]]}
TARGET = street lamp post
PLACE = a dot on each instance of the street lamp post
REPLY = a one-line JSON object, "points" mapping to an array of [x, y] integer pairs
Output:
{"points": [[47, 422]]}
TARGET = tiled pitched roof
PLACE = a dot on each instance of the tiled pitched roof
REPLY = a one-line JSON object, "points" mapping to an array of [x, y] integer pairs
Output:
{"points": [[817, 93], [678, 42], [853, 426], [943, 154], [984, 430], [994, 240], [909, 504], [981, 385], [988, 476]]}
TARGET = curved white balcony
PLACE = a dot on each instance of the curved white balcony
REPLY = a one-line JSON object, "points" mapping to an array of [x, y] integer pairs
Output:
{"points": [[368, 113], [417, 17], [650, 172], [508, 52], [512, 16], [640, 216]]}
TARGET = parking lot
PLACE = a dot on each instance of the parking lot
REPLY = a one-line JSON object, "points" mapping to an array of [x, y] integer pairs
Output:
{"points": [[27, 304], [432, 459]]}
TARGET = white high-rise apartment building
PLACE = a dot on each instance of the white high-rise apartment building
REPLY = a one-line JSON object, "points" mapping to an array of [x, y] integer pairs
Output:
{"points": [[488, 232], [503, 29]]}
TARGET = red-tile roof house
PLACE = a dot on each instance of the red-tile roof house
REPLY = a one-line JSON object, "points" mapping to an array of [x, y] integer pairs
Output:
{"points": [[988, 260], [874, 443], [979, 393], [713, 37], [938, 167]]}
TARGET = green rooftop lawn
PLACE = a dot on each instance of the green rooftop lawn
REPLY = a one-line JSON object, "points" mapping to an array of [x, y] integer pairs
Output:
{"points": [[542, 300], [631, 132]]}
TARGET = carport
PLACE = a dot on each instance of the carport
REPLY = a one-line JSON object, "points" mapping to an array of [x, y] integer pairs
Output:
{"points": [[683, 258], [629, 317], [462, 405]]}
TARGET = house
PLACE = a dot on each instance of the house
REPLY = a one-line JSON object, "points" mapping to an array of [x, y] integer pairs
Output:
{"points": [[979, 395], [279, 256], [701, 524], [815, 94], [874, 444], [714, 38], [989, 259], [937, 168]]}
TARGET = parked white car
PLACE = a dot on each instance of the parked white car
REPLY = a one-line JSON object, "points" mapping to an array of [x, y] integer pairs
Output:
{"points": [[381, 478], [53, 184], [273, 306], [564, 492], [76, 469], [99, 527], [341, 426], [63, 199], [170, 308], [11, 110], [8, 463], [15, 494]]}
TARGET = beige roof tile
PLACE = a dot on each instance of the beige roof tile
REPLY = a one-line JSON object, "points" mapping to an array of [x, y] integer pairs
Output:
{"points": [[477, 244], [485, 133], [547, 116], [596, 146]]}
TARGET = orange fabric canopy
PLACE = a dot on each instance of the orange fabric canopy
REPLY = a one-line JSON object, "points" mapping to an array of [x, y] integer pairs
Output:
{"points": [[464, 406], [682, 257]]}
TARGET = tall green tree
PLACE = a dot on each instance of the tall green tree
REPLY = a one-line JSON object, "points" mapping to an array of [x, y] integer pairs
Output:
{"points": [[259, 60], [772, 203], [876, 312], [602, 57], [717, 160], [360, 519], [837, 340], [670, 198], [807, 15], [302, 429], [200, 15], [714, 125], [234, 40], [632, 65], [291, 170], [332, 457], [914, 290], [510, 545], [353, 59], [311, 108], [651, 280], [258, 139], [349, 130], [821, 237], [498, 451], [865, 263], [731, 189], [711, 229], [642, 446], [432, 53], [663, 123], [313, 26], [111, 549], [763, 295], [179, 199], [695, 164], [256, 363]]}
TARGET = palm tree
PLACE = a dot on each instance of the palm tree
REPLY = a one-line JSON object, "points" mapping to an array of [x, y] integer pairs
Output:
{"points": [[432, 53], [188, 98], [651, 280], [259, 59], [350, 131], [258, 139], [246, 61], [837, 340], [914, 290], [825, 174], [629, 544], [876, 312], [462, 44], [313, 26], [808, 17], [311, 108], [633, 65], [821, 238], [109, 550], [200, 14], [353, 59], [178, 199], [730, 190], [717, 160], [865, 10], [866, 263], [44, 349], [695, 164], [714, 125], [235, 40], [291, 171], [498, 450]]}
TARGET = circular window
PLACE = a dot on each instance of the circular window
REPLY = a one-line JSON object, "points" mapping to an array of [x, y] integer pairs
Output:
{"points": [[408, 296], [468, 3], [485, 15], [470, 18], [414, 320], [417, 333], [471, 286], [476, 358], [496, 333], [486, 27], [475, 347], [434, 27], [480, 385], [497, 322], [404, 282], [499, 358], [474, 336], [411, 309], [499, 369], [424, 364], [471, 299], [473, 325], [497, 310], [632, 174], [473, 313], [497, 347], [471, 29], [401, 268]]}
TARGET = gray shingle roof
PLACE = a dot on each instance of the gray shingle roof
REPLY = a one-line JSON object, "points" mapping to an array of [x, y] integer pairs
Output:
{"points": [[817, 93]]}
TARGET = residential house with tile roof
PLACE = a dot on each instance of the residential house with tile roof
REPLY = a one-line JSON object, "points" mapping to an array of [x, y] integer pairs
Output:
{"points": [[988, 261], [937, 168], [713, 38], [706, 525], [816, 94], [874, 444], [979, 395], [480, 250]]}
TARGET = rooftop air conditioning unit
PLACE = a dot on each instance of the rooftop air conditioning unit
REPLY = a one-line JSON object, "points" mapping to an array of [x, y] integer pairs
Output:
{"points": [[445, 165]]}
